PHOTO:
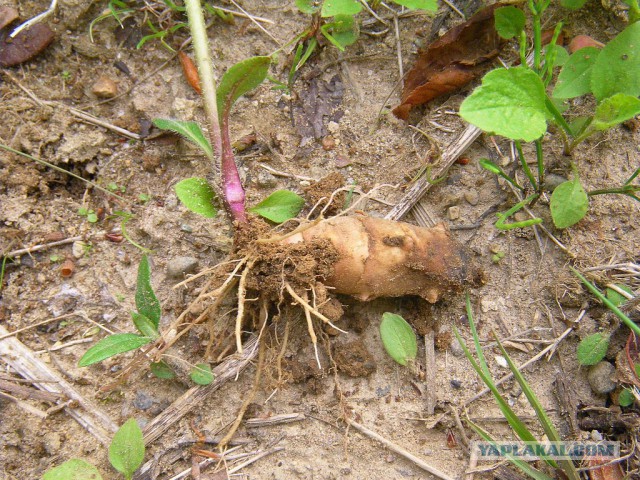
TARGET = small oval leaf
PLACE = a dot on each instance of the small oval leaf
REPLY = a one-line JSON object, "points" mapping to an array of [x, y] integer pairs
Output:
{"points": [[145, 326], [197, 195], [162, 370], [593, 348], [626, 398], [509, 21], [146, 300], [398, 338], [126, 452], [112, 345], [189, 130], [74, 469], [201, 374], [280, 206], [241, 78], [569, 203]]}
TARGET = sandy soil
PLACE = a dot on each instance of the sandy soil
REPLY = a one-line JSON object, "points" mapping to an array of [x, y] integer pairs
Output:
{"points": [[530, 290]]}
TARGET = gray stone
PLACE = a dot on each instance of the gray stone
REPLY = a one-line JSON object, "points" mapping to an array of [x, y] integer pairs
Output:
{"points": [[143, 401], [455, 348], [179, 266], [601, 378], [551, 181], [266, 180]]}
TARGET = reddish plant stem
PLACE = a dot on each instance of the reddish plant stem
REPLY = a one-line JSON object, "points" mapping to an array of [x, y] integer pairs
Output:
{"points": [[231, 184]]}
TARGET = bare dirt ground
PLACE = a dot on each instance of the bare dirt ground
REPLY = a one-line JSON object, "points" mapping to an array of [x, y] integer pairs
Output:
{"points": [[530, 295]]}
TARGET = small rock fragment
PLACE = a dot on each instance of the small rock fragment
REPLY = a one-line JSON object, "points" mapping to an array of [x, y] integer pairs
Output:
{"points": [[8, 15], [601, 378], [328, 143], [143, 401], [455, 348], [552, 180], [454, 212], [266, 180], [179, 266], [333, 127], [51, 442], [26, 45], [104, 87], [472, 197]]}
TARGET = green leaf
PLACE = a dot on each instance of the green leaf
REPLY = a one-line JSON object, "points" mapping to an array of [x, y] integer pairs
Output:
{"points": [[126, 452], [241, 78], [145, 326], [280, 206], [510, 102], [74, 469], [342, 32], [201, 374], [569, 203], [572, 4], [560, 53], [398, 338], [593, 348], [331, 8], [615, 298], [197, 195], [625, 399], [146, 300], [427, 5], [112, 345], [162, 370], [615, 110], [509, 21], [617, 68], [308, 6], [575, 77], [189, 130]]}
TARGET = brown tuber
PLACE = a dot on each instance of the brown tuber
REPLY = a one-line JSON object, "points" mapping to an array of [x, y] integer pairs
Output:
{"points": [[383, 258]]}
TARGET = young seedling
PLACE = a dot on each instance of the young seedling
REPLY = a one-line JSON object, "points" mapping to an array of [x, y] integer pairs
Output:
{"points": [[126, 454], [518, 102], [398, 339], [516, 424]]}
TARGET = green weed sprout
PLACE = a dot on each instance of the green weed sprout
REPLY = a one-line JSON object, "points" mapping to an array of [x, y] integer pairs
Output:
{"points": [[518, 103], [517, 425], [126, 454]]}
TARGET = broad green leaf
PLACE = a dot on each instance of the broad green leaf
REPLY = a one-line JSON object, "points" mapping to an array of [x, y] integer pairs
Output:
{"points": [[241, 78], [625, 399], [162, 370], [509, 21], [331, 8], [201, 374], [145, 326], [126, 452], [398, 338], [74, 469], [308, 6], [615, 298], [615, 110], [427, 5], [197, 195], [146, 300], [189, 130], [569, 203], [510, 102], [575, 77], [112, 345], [560, 54], [617, 68], [572, 4], [280, 206], [593, 348], [342, 32]]}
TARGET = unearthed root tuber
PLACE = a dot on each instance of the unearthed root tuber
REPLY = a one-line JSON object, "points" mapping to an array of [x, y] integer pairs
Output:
{"points": [[382, 258]]}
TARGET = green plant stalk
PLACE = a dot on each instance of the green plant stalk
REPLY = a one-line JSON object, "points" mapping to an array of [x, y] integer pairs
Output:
{"points": [[537, 39], [525, 166], [523, 47], [550, 60], [540, 161], [560, 120], [502, 217], [593, 289], [634, 11], [628, 190], [233, 192]]}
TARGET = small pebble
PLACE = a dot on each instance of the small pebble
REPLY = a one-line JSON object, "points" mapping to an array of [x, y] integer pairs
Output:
{"points": [[179, 266], [78, 249], [596, 436], [333, 127], [552, 180], [143, 401], [328, 143], [51, 442], [601, 378], [501, 361], [455, 348], [472, 197], [186, 228], [104, 87], [266, 180], [454, 212], [456, 383]]}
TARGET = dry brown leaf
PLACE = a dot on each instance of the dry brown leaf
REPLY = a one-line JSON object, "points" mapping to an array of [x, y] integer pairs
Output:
{"points": [[458, 57]]}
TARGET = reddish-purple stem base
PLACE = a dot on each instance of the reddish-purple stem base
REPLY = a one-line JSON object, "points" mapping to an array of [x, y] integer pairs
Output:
{"points": [[231, 185]]}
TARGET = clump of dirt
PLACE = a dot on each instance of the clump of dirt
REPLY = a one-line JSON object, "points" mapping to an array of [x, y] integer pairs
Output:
{"points": [[354, 359], [320, 192]]}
